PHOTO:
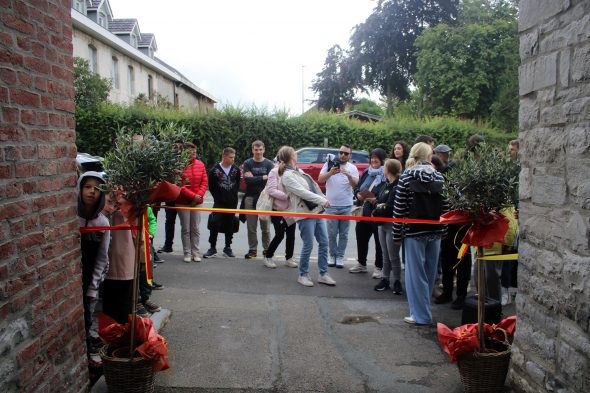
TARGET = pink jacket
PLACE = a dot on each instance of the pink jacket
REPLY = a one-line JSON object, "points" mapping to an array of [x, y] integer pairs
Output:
{"points": [[194, 180], [275, 190]]}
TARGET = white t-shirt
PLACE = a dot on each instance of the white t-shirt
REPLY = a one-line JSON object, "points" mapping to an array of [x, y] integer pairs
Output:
{"points": [[338, 188]]}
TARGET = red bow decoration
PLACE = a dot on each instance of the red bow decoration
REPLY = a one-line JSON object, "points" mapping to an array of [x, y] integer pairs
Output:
{"points": [[485, 230], [165, 191], [152, 346], [464, 339]]}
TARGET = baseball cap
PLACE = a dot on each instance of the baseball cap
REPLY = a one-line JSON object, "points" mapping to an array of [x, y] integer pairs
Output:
{"points": [[442, 149]]}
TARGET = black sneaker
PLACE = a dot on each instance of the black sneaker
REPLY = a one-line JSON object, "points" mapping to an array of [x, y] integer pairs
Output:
{"points": [[151, 307], [228, 252], [157, 286], [383, 285], [210, 253], [443, 298], [164, 249], [251, 254], [458, 303], [397, 287], [157, 259], [141, 311]]}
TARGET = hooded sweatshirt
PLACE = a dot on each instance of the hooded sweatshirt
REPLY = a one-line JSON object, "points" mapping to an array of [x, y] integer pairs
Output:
{"points": [[94, 245], [424, 173]]}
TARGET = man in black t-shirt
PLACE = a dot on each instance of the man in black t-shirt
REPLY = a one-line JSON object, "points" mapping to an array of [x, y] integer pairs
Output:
{"points": [[256, 170]]}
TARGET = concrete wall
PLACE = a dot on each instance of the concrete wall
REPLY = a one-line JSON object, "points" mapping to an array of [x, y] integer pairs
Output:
{"points": [[552, 344], [41, 317]]}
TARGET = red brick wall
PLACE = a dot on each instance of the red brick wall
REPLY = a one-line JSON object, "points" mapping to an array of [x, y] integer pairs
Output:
{"points": [[41, 317]]}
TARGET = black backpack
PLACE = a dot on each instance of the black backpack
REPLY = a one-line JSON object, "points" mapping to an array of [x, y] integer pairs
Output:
{"points": [[427, 204]]}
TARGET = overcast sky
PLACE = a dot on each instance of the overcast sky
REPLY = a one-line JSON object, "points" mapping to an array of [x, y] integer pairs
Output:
{"points": [[248, 52]]}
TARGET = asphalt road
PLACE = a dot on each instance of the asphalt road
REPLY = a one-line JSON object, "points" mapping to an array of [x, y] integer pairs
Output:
{"points": [[237, 326]]}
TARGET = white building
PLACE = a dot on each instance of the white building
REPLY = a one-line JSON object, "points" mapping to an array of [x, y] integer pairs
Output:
{"points": [[117, 49]]}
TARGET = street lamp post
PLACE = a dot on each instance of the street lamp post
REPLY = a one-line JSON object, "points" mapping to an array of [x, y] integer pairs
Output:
{"points": [[302, 89]]}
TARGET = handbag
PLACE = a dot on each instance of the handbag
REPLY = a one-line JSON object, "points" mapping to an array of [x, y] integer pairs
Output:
{"points": [[357, 211], [264, 203]]}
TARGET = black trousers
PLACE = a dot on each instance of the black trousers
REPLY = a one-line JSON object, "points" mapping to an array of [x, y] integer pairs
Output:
{"points": [[117, 300], [364, 230], [448, 256], [169, 225], [282, 229]]}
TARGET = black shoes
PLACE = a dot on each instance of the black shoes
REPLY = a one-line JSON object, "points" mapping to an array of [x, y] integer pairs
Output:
{"points": [[165, 249], [251, 254], [382, 286], [210, 253], [157, 286], [397, 287], [443, 298], [458, 303], [227, 251]]}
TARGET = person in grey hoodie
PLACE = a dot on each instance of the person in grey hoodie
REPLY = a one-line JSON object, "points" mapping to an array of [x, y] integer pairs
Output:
{"points": [[94, 245], [420, 195]]}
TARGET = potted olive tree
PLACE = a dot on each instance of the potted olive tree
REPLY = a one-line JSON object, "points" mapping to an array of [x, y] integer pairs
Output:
{"points": [[144, 167], [483, 192]]}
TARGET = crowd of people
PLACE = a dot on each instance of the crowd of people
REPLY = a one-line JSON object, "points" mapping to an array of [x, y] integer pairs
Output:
{"points": [[407, 184]]}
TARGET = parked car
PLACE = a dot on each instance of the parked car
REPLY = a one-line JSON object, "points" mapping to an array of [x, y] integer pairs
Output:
{"points": [[311, 160], [85, 162]]}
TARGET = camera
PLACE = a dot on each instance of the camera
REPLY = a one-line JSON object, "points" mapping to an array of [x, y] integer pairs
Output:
{"points": [[333, 163]]}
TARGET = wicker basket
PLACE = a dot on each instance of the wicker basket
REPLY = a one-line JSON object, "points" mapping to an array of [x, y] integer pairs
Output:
{"points": [[123, 375], [485, 372]]}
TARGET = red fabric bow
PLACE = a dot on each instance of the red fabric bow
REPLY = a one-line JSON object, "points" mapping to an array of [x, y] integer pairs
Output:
{"points": [[152, 346], [485, 230], [464, 339]]}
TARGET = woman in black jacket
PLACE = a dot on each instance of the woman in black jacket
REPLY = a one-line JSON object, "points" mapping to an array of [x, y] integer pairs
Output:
{"points": [[369, 185]]}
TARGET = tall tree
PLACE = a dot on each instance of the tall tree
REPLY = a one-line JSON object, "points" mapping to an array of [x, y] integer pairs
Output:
{"points": [[383, 56], [463, 70], [332, 84]]}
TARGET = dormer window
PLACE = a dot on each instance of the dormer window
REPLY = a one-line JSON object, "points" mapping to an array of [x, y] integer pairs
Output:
{"points": [[79, 5], [102, 19]]}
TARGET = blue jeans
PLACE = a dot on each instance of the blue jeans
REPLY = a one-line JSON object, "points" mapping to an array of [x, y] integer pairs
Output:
{"points": [[421, 264], [308, 228], [338, 231]]}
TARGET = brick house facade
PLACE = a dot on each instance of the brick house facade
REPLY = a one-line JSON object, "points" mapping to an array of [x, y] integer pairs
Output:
{"points": [[41, 316]]}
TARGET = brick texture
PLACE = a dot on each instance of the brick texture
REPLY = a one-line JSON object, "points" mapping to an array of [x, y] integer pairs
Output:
{"points": [[551, 351], [41, 317]]}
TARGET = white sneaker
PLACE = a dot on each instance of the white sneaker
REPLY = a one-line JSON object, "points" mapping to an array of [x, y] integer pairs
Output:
{"points": [[291, 263], [339, 263], [269, 263], [305, 281], [410, 320], [377, 273], [358, 268], [506, 298], [197, 257], [326, 279], [187, 258]]}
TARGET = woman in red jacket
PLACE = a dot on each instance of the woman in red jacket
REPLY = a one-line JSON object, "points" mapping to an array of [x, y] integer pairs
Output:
{"points": [[194, 182]]}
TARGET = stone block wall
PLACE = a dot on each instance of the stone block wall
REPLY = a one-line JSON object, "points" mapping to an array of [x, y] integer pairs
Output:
{"points": [[552, 344], [41, 316]]}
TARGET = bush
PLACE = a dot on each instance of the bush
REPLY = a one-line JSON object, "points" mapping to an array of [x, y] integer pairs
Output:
{"points": [[239, 127]]}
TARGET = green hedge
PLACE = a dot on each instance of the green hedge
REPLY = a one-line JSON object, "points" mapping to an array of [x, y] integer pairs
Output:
{"points": [[237, 128]]}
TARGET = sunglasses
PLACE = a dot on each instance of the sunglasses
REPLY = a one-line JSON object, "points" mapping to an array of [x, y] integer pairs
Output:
{"points": [[344, 152]]}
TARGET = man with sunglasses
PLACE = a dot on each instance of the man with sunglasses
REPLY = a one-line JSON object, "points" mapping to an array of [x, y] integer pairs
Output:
{"points": [[340, 177]]}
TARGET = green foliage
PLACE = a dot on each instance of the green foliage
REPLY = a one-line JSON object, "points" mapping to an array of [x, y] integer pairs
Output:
{"points": [[483, 182], [333, 85], [239, 127], [383, 56], [143, 158], [470, 69], [368, 106], [90, 90]]}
